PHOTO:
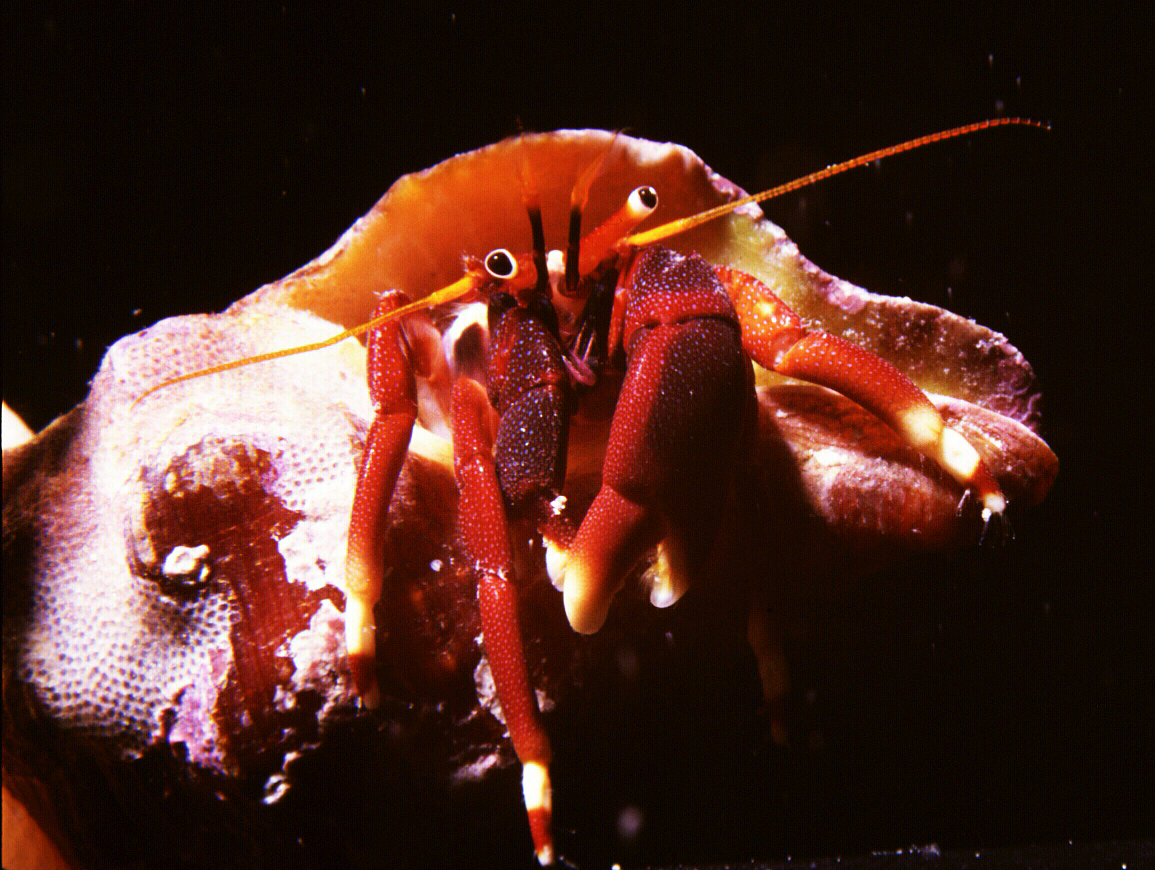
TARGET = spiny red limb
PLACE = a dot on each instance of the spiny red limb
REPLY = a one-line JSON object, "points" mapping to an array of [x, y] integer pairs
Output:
{"points": [[764, 634], [393, 390], [503, 647], [865, 377], [483, 529], [775, 337], [759, 310]]}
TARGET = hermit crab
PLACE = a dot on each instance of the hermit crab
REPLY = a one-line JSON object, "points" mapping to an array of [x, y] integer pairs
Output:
{"points": [[590, 365]]}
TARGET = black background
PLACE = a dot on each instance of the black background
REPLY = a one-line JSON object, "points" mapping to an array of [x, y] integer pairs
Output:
{"points": [[158, 163]]}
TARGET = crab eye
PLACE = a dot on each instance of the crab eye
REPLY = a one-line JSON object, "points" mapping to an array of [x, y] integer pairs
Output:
{"points": [[501, 264], [643, 200]]}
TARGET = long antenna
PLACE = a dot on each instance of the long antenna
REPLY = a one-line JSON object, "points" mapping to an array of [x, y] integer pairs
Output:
{"points": [[648, 237], [454, 291]]}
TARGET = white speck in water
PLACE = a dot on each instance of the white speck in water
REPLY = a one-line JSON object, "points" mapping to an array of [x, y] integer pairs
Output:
{"points": [[436, 565], [275, 788], [630, 823], [628, 663]]}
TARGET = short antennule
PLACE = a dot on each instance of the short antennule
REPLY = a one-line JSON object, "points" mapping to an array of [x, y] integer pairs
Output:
{"points": [[531, 196], [578, 200], [656, 234], [573, 250]]}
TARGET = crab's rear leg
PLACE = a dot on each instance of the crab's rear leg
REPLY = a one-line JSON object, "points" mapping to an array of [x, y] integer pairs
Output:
{"points": [[483, 529], [393, 361], [776, 338]]}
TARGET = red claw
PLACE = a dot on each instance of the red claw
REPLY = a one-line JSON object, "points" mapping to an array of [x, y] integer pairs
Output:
{"points": [[684, 418], [687, 395], [687, 328]]}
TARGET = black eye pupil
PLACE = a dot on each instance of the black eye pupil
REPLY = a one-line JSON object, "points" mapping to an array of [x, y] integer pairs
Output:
{"points": [[648, 196], [500, 264]]}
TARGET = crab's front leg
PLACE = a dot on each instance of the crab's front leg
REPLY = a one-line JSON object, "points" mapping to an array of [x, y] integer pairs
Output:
{"points": [[677, 430], [397, 352], [486, 541], [777, 339]]}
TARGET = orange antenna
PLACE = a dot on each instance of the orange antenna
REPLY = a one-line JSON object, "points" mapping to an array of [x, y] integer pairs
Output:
{"points": [[459, 288], [648, 237]]}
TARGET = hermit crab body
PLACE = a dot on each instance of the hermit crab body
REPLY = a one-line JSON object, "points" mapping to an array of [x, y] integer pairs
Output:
{"points": [[696, 404]]}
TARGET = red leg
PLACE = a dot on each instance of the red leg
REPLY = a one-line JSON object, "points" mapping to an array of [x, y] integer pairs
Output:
{"points": [[764, 634], [393, 390], [483, 526], [777, 339]]}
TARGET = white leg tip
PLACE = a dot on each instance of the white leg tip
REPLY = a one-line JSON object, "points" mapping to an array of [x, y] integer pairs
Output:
{"points": [[958, 456], [667, 576], [535, 786], [556, 560], [538, 792], [360, 632]]}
